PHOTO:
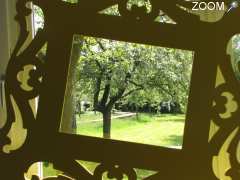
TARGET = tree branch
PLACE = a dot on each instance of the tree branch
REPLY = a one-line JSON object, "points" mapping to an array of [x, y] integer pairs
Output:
{"points": [[96, 61], [105, 94], [132, 91], [99, 65], [115, 98], [101, 45], [122, 89], [136, 84], [96, 93]]}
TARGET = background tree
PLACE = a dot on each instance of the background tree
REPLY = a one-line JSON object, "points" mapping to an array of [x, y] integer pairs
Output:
{"points": [[107, 71], [236, 55], [117, 70]]}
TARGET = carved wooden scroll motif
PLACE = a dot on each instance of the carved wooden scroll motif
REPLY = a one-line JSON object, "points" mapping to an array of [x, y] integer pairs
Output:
{"points": [[43, 140]]}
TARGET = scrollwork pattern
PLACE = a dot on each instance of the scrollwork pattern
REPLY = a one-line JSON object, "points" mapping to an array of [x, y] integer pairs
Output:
{"points": [[139, 12], [16, 69], [221, 101], [114, 172], [227, 125], [31, 151], [234, 171]]}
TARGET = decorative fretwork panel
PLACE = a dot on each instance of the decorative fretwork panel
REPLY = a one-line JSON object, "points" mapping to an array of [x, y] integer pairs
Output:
{"points": [[208, 102]]}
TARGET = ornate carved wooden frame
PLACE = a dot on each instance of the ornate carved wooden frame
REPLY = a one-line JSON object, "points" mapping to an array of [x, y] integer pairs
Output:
{"points": [[44, 142]]}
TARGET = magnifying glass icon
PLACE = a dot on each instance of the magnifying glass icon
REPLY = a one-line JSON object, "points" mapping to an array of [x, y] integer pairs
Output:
{"points": [[232, 6]]}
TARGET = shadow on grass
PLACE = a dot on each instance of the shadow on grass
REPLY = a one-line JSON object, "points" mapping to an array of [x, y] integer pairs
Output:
{"points": [[174, 120], [171, 117], [175, 140]]}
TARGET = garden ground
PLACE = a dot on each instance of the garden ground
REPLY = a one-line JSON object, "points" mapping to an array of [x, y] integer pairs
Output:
{"points": [[153, 129]]}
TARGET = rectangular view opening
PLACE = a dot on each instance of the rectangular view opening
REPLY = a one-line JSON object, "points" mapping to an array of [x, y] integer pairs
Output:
{"points": [[127, 91]]}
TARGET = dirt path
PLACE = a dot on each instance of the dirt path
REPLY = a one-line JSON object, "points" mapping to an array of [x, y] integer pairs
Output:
{"points": [[121, 115]]}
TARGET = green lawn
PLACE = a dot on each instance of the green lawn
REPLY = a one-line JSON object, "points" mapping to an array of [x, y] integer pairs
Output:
{"points": [[89, 116], [161, 130]]}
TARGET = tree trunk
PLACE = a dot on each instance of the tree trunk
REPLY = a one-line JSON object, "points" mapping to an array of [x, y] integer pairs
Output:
{"points": [[137, 113], [107, 124]]}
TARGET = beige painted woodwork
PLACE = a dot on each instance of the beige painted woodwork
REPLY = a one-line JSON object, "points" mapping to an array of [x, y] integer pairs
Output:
{"points": [[8, 37]]}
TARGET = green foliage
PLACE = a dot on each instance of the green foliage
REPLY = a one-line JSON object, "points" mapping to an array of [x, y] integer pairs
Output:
{"points": [[236, 55], [155, 73], [38, 18]]}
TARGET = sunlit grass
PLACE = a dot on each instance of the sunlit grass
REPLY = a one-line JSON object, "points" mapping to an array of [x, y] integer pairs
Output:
{"points": [[161, 130]]}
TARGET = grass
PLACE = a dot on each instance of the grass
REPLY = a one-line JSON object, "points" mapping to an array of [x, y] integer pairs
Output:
{"points": [[89, 116], [160, 130]]}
